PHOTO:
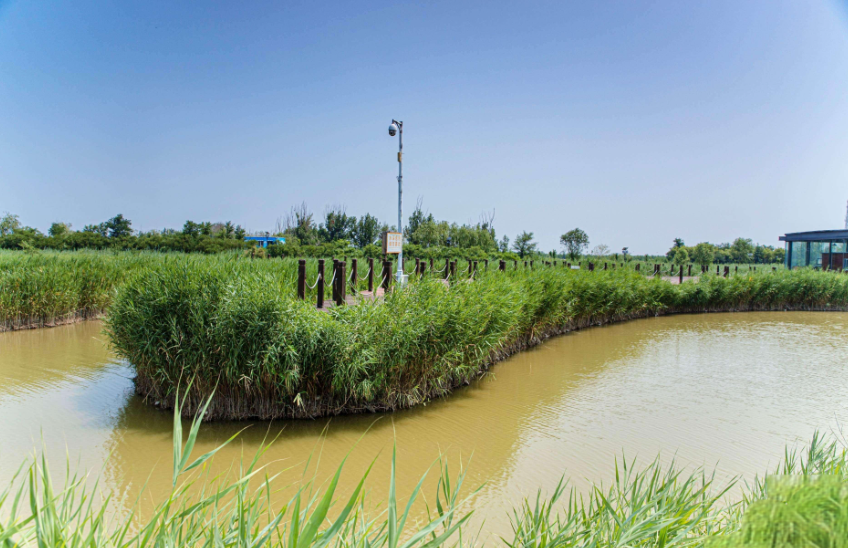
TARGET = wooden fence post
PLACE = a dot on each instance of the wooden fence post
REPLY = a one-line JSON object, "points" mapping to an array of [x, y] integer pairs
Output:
{"points": [[340, 283], [736, 269], [301, 279], [717, 267], [320, 300], [353, 273], [453, 269], [486, 264], [525, 265], [371, 276], [474, 269], [591, 267], [680, 279], [726, 271], [386, 279], [502, 266], [515, 265], [690, 270], [637, 267], [605, 266], [334, 286]]}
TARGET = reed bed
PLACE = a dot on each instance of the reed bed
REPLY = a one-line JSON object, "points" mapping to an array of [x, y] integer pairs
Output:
{"points": [[801, 504], [240, 329]]}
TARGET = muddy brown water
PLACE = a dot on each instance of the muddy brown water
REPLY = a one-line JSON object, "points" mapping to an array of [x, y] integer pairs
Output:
{"points": [[723, 391]]}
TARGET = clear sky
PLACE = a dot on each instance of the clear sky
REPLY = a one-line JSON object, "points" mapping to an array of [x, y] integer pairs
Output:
{"points": [[636, 121]]}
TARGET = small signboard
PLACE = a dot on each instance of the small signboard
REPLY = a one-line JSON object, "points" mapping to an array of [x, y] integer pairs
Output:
{"points": [[392, 242]]}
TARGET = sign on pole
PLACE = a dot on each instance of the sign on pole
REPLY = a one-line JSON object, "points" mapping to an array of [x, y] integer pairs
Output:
{"points": [[392, 242]]}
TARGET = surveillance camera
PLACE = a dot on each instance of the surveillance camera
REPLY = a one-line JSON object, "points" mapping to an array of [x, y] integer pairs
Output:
{"points": [[392, 130]]}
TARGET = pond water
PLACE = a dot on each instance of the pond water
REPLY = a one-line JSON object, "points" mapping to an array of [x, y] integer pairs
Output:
{"points": [[722, 391]]}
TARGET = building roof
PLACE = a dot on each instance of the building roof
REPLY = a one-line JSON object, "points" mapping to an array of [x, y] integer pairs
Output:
{"points": [[265, 238], [815, 235]]}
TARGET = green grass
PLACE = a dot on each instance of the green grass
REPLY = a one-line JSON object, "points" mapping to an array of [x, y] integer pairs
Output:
{"points": [[802, 504], [237, 327]]}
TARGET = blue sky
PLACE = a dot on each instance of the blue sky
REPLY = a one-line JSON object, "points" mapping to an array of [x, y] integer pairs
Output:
{"points": [[636, 121]]}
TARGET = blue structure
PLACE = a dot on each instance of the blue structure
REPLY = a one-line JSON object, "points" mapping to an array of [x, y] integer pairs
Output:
{"points": [[265, 240]]}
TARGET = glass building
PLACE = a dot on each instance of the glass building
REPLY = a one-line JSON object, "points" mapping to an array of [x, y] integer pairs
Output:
{"points": [[824, 249]]}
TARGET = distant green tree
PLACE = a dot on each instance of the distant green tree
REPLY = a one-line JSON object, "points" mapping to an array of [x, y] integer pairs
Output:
{"points": [[742, 250], [524, 244], [703, 254], [678, 242], [575, 242], [102, 229], [681, 256], [9, 223], [337, 225], [58, 230], [190, 228], [366, 230], [119, 227], [239, 233], [503, 245]]}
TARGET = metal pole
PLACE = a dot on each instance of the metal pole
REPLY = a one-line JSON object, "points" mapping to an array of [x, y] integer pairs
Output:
{"points": [[400, 202]]}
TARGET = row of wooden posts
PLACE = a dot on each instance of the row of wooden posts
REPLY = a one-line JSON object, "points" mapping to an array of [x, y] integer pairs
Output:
{"points": [[340, 277]]}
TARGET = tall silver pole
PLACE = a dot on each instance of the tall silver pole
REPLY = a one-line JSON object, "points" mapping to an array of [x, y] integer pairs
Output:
{"points": [[400, 203]]}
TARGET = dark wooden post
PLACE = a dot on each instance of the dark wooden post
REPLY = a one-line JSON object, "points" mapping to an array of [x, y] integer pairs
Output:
{"points": [[566, 265], [726, 271], [605, 266], [423, 267], [736, 269], [680, 279], [689, 271], [774, 269], [453, 269], [334, 286], [502, 266], [371, 275], [301, 279], [637, 267], [525, 265], [340, 283], [515, 265], [431, 264], [591, 267], [320, 302], [717, 267], [613, 266], [531, 265], [386, 276], [486, 264], [353, 273], [474, 269]]}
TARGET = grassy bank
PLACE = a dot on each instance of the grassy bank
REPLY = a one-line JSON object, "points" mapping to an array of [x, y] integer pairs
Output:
{"points": [[271, 356], [802, 503]]}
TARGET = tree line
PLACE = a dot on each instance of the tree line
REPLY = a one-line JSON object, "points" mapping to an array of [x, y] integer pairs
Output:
{"points": [[337, 233]]}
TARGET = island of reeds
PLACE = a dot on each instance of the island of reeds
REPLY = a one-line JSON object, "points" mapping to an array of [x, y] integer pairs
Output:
{"points": [[236, 328]]}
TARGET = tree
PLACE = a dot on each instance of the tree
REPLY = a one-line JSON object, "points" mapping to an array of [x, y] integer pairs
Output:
{"points": [[625, 252], [299, 223], [9, 223], [575, 243], [59, 229], [703, 254], [190, 228], [119, 226], [681, 256], [678, 242], [600, 250], [337, 225], [524, 244], [367, 230], [101, 229], [741, 250], [503, 245]]}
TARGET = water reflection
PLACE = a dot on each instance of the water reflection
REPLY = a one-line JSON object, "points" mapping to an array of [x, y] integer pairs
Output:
{"points": [[726, 389]]}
